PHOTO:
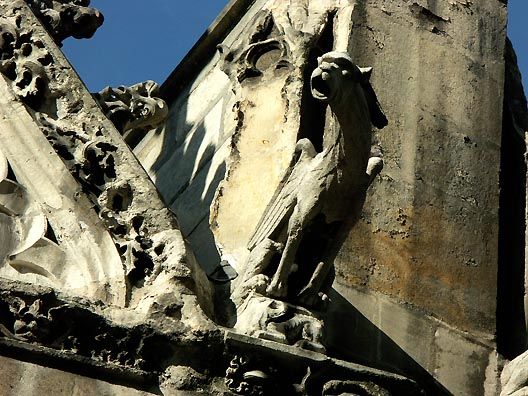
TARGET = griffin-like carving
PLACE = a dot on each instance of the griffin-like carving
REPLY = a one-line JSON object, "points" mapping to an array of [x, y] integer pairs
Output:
{"points": [[322, 184], [133, 109]]}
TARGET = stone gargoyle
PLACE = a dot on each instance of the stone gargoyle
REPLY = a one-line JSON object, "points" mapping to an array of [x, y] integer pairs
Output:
{"points": [[318, 186]]}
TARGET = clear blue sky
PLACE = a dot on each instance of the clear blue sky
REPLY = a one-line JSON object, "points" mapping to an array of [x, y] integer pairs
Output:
{"points": [[518, 32], [141, 41]]}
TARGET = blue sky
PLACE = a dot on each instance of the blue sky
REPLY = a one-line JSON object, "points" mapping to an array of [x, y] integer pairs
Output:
{"points": [[139, 42], [517, 16]]}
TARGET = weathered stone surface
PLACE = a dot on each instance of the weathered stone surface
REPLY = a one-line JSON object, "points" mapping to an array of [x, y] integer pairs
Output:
{"points": [[514, 377], [89, 264], [145, 233], [133, 110], [65, 18], [21, 378], [435, 230], [92, 227], [427, 236], [254, 159]]}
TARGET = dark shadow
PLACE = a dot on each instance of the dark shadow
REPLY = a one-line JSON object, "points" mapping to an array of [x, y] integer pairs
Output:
{"points": [[186, 175], [511, 326], [183, 176], [345, 322]]}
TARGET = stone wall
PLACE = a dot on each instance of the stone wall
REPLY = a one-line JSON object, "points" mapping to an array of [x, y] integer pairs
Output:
{"points": [[416, 276], [187, 157], [28, 379], [429, 231]]}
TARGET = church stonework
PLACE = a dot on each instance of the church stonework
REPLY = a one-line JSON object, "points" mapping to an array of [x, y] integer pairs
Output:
{"points": [[324, 198]]}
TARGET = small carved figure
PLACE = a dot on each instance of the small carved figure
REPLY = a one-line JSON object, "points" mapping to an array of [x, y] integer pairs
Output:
{"points": [[133, 109], [275, 320], [321, 183]]}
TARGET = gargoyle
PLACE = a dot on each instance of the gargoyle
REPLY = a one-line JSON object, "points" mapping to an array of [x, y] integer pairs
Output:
{"points": [[321, 183], [133, 109]]}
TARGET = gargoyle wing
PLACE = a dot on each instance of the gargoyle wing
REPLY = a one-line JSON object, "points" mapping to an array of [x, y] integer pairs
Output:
{"points": [[285, 197]]}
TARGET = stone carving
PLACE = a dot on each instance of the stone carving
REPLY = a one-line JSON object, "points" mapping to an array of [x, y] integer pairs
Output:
{"points": [[25, 248], [313, 199], [275, 320], [65, 18], [336, 388], [92, 163], [514, 377], [90, 160], [73, 328], [244, 377], [31, 62], [266, 50], [263, 368], [133, 110], [320, 185], [22, 60]]}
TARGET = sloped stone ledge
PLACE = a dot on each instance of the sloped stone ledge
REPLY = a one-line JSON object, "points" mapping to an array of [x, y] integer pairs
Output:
{"points": [[145, 231]]}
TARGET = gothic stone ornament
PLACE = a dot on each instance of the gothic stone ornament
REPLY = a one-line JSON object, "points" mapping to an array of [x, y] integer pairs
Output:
{"points": [[133, 110], [322, 183], [275, 320], [65, 18], [246, 376], [23, 60], [263, 367], [25, 249], [316, 191], [266, 51], [145, 233]]}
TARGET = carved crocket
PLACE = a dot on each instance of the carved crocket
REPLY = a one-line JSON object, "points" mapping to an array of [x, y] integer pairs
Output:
{"points": [[67, 18], [322, 183], [133, 109]]}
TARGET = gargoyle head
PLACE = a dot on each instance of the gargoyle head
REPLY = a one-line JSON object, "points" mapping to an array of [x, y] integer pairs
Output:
{"points": [[333, 70], [330, 81]]}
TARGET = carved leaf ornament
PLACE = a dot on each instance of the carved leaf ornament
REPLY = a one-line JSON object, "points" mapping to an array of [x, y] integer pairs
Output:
{"points": [[23, 226]]}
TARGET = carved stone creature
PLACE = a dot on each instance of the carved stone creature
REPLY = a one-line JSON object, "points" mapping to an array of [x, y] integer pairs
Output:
{"points": [[29, 321], [275, 320], [322, 183], [133, 109], [65, 18]]}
